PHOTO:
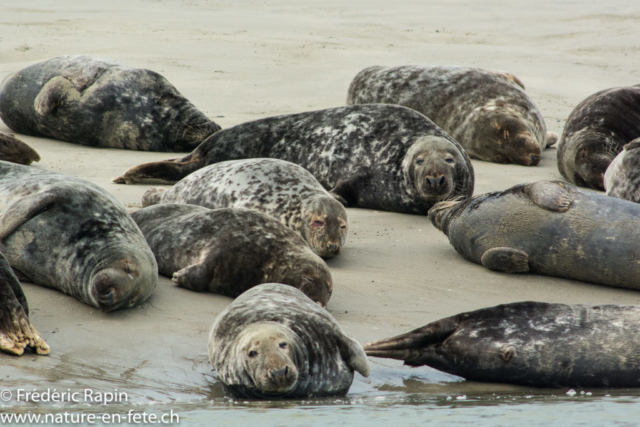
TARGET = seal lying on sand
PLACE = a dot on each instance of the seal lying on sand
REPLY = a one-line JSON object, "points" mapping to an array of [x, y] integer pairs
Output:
{"points": [[68, 234], [16, 331], [548, 228], [228, 251], [487, 112], [15, 151], [275, 187], [273, 342], [528, 343], [595, 133], [101, 103], [622, 178], [371, 156]]}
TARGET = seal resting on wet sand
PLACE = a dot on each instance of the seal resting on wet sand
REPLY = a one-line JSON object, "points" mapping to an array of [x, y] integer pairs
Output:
{"points": [[273, 342], [528, 343], [370, 156], [101, 103], [549, 228], [488, 112], [622, 178], [68, 234], [275, 187], [228, 251], [15, 151]]}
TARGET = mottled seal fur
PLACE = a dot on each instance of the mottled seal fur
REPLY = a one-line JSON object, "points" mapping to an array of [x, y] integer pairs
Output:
{"points": [[273, 342], [228, 251], [68, 234], [16, 331], [595, 133], [488, 112], [15, 151], [622, 178], [101, 103], [371, 156], [278, 188], [528, 343], [549, 228]]}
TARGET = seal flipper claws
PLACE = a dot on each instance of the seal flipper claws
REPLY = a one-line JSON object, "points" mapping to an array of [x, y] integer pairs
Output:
{"points": [[509, 260], [352, 353], [56, 92], [549, 195], [193, 277], [25, 209]]}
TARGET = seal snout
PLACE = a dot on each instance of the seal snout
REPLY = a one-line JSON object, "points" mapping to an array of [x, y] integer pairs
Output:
{"points": [[437, 184], [121, 285]]}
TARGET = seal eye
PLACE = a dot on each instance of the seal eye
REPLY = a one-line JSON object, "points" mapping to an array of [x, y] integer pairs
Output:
{"points": [[318, 223], [253, 353], [419, 161], [448, 160], [343, 226], [283, 345]]}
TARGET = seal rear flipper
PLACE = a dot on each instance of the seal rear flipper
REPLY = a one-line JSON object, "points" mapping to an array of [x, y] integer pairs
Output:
{"points": [[152, 196], [164, 172], [55, 93], [195, 277], [15, 151], [549, 195], [552, 138], [509, 260], [24, 209], [632, 145], [352, 353]]}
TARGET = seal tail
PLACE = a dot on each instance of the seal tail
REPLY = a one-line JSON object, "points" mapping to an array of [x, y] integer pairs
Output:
{"points": [[164, 172], [15, 151]]}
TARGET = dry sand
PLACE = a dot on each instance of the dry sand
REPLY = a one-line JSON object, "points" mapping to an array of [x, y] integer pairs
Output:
{"points": [[244, 60]]}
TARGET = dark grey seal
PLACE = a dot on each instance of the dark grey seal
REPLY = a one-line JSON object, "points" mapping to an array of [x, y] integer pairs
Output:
{"points": [[273, 342], [595, 133], [371, 156], [15, 151], [488, 112], [549, 228], [275, 187], [528, 343], [101, 103], [68, 234], [622, 178], [228, 251], [16, 331]]}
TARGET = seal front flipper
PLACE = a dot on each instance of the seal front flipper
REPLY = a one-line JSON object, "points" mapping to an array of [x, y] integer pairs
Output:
{"points": [[549, 195], [153, 196], [345, 192], [352, 353], [23, 210], [552, 138], [15, 151], [55, 93], [164, 172], [195, 277], [509, 260]]}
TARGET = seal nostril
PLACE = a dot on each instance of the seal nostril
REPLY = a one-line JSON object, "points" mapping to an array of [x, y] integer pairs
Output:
{"points": [[535, 159]]}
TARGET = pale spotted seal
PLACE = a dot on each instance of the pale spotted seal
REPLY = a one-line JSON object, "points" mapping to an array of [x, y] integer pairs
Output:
{"points": [[273, 342], [228, 251], [15, 151], [549, 228], [528, 343], [101, 103], [488, 112], [68, 234], [371, 156], [16, 331], [278, 188], [622, 178], [595, 133]]}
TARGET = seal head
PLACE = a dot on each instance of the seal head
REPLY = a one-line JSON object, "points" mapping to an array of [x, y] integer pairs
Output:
{"points": [[325, 226]]}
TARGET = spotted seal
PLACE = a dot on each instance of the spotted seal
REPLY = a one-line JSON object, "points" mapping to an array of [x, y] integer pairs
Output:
{"points": [[371, 156], [622, 177], [228, 250], [278, 188], [528, 343], [68, 234], [273, 342], [488, 112], [15, 151], [549, 228], [16, 331], [595, 133], [101, 103]]}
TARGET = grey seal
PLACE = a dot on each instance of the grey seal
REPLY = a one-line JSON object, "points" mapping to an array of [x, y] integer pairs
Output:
{"points": [[15, 151], [528, 343], [101, 103], [228, 250], [16, 331], [622, 177], [69, 234], [275, 187], [370, 156], [595, 133], [488, 112], [549, 228], [273, 342]]}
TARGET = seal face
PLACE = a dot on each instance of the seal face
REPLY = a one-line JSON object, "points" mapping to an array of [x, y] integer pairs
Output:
{"points": [[273, 342], [15, 151], [275, 187], [528, 343], [487, 112], [547, 228], [101, 103], [622, 178], [595, 133], [228, 251], [371, 156], [68, 234], [16, 331]]}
